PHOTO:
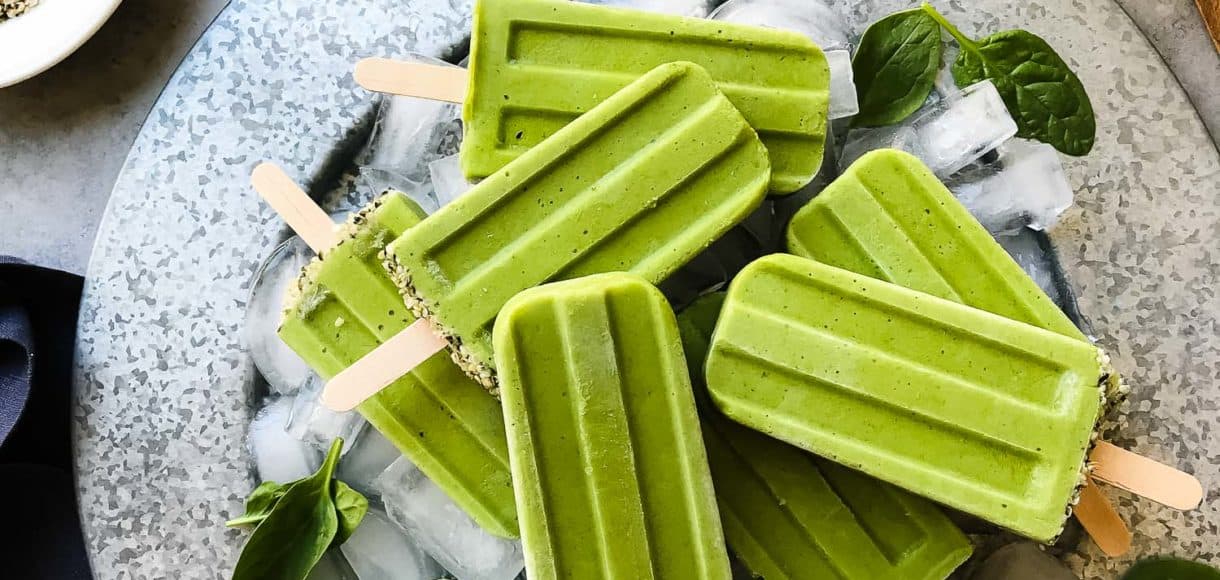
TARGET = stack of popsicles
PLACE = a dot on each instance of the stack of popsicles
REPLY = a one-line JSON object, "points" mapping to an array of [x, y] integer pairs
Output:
{"points": [[899, 355]]}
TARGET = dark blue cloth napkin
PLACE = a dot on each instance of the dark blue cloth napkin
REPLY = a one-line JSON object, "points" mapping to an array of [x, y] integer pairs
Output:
{"points": [[16, 364], [40, 534]]}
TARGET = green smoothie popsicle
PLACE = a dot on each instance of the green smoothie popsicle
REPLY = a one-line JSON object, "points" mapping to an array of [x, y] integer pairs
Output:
{"points": [[642, 183], [979, 412], [342, 307], [611, 476], [535, 65], [890, 218], [790, 516]]}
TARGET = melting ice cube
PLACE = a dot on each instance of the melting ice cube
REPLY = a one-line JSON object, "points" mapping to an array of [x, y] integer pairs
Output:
{"points": [[370, 454], [279, 365], [447, 179], [1025, 186], [280, 457], [813, 18], [311, 422], [380, 550], [442, 529], [947, 135]]}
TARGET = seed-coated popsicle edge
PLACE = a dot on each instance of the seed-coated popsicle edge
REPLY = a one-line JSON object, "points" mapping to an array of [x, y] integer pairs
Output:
{"points": [[466, 360], [306, 292], [435, 415]]}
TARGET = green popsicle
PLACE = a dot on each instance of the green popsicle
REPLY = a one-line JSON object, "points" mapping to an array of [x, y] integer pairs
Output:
{"points": [[642, 183], [611, 476], [790, 516], [890, 218], [535, 65], [979, 412], [343, 306]]}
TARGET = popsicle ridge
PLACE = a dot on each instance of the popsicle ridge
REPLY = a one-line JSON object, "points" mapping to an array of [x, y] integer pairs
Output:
{"points": [[606, 193], [1021, 464]]}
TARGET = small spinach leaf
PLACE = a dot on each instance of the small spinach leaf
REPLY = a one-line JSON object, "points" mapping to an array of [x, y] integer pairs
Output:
{"points": [[260, 503], [296, 533], [895, 67], [1046, 99], [351, 507]]}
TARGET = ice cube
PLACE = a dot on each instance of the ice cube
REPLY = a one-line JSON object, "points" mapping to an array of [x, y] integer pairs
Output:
{"points": [[448, 181], [1025, 186], [843, 101], [370, 454], [380, 550], [280, 457], [815, 19], [970, 124], [332, 566], [377, 182], [947, 135], [1025, 250], [442, 529], [279, 365], [1036, 254], [695, 8], [1020, 561], [411, 132], [311, 422]]}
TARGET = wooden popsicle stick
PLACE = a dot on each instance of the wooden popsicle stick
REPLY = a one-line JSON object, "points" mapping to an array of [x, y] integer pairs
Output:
{"points": [[385, 364], [412, 79], [1210, 10], [1145, 477], [382, 366], [1102, 522], [294, 206]]}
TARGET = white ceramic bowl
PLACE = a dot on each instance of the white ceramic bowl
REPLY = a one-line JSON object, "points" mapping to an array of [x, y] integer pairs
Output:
{"points": [[48, 33]]}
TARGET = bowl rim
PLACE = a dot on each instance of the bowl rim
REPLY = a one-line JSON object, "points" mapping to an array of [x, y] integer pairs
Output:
{"points": [[56, 53]]}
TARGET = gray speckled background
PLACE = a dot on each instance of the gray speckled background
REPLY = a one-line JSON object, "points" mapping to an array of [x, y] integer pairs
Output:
{"points": [[163, 378]]}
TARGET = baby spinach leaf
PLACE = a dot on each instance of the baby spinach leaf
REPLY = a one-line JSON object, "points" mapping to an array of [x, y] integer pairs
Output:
{"points": [[1046, 99], [895, 67], [296, 533], [260, 503], [351, 507]]}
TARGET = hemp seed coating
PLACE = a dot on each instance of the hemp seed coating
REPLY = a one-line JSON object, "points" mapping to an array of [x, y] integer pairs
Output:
{"points": [[14, 8]]}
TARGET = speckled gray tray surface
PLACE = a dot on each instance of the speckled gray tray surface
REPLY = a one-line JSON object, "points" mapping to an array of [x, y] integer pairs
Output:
{"points": [[163, 379]]}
